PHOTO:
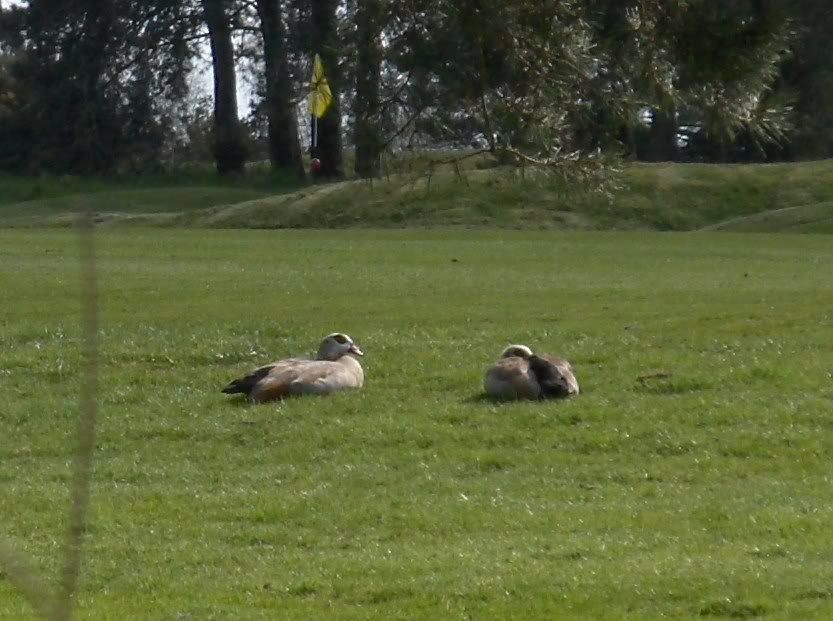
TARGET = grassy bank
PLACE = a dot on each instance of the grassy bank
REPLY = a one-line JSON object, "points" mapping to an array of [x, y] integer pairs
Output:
{"points": [[667, 197]]}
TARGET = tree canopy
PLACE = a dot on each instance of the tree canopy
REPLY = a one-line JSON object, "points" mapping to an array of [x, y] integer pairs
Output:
{"points": [[108, 85]]}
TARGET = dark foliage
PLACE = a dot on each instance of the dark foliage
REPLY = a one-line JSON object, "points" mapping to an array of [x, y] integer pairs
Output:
{"points": [[97, 86]]}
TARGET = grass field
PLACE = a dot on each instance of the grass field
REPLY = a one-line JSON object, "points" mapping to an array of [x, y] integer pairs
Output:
{"points": [[704, 494]]}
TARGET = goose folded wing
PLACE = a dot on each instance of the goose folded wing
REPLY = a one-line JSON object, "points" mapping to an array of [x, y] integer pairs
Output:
{"points": [[322, 377], [275, 384], [509, 378]]}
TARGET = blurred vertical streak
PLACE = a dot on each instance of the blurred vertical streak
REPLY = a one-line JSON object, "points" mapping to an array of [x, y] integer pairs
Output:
{"points": [[19, 570], [83, 463]]}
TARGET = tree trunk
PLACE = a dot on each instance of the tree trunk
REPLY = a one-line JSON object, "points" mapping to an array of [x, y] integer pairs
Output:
{"points": [[229, 145], [367, 136], [91, 147], [663, 135], [324, 42], [284, 144], [762, 8]]}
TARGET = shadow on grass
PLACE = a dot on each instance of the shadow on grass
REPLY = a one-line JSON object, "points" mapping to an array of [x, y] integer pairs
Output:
{"points": [[239, 401], [242, 402], [482, 398], [673, 387]]}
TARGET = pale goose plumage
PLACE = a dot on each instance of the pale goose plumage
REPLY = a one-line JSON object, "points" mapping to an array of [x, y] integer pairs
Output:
{"points": [[334, 368], [521, 374]]}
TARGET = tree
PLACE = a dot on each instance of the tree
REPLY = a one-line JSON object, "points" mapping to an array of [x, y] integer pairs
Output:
{"points": [[230, 147], [93, 86], [706, 72], [807, 75], [728, 71], [510, 78], [92, 80], [284, 145], [366, 109]]}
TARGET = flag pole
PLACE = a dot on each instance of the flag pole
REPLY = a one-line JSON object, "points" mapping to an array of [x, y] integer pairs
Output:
{"points": [[314, 131]]}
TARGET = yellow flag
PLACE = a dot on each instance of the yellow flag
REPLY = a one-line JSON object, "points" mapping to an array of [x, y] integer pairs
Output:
{"points": [[320, 96]]}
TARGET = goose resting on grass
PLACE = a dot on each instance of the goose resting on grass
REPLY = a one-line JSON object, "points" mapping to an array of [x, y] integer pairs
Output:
{"points": [[521, 374], [334, 368]]}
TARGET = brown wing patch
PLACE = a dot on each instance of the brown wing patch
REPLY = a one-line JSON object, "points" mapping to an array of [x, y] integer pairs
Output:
{"points": [[270, 390], [275, 385]]}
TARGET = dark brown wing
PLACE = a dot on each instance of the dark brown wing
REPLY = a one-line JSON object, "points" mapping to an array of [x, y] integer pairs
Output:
{"points": [[555, 375]]}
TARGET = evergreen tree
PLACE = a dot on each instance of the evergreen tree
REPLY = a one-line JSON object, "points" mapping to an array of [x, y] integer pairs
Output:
{"points": [[807, 75]]}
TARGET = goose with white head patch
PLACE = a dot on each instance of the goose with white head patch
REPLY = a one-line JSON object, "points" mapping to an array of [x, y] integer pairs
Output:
{"points": [[334, 368]]}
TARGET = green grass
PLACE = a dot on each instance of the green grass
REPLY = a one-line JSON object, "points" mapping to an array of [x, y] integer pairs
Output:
{"points": [[812, 218], [666, 197], [703, 494], [55, 200]]}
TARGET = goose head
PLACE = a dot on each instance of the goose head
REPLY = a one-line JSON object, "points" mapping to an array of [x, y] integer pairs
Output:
{"points": [[336, 345], [521, 351]]}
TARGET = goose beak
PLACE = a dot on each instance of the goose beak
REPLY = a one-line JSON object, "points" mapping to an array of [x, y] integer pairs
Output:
{"points": [[354, 349]]}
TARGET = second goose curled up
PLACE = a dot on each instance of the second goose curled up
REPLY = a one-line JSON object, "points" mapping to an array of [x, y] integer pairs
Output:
{"points": [[522, 374]]}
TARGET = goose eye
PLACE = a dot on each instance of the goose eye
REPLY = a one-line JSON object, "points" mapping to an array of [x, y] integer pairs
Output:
{"points": [[340, 339]]}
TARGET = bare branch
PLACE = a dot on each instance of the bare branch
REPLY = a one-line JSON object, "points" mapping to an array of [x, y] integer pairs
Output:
{"points": [[404, 127], [200, 36], [490, 134], [395, 97], [456, 160]]}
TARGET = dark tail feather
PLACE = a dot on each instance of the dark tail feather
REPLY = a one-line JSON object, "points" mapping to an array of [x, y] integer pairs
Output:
{"points": [[236, 386], [246, 384]]}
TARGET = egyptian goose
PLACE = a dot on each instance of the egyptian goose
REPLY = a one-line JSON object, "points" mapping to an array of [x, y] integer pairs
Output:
{"points": [[521, 374], [334, 368]]}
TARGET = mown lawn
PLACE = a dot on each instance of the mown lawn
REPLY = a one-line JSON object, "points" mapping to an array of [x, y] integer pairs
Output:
{"points": [[708, 493]]}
